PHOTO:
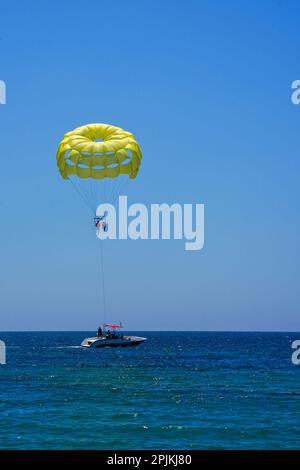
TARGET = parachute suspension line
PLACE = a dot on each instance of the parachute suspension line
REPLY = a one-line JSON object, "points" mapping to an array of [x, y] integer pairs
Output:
{"points": [[85, 189], [121, 188], [82, 196], [92, 198], [103, 281], [114, 190], [96, 190]]}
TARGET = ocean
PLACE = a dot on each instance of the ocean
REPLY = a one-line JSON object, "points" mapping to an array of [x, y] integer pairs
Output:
{"points": [[178, 390]]}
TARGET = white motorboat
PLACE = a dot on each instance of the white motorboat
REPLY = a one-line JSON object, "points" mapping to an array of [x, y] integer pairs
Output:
{"points": [[112, 339], [103, 342]]}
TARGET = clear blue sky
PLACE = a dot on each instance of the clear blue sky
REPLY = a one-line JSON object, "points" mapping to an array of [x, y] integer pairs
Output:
{"points": [[205, 87]]}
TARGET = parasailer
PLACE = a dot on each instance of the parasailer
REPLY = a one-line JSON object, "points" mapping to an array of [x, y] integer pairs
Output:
{"points": [[101, 223]]}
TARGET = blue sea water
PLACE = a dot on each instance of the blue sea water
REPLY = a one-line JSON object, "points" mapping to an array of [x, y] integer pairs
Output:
{"points": [[179, 390]]}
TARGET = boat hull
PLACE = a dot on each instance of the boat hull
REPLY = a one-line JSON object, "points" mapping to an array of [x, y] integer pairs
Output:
{"points": [[112, 342]]}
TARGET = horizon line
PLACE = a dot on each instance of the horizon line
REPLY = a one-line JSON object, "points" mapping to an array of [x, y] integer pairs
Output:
{"points": [[154, 331]]}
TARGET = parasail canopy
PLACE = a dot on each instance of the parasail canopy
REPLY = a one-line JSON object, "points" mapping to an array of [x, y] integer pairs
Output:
{"points": [[98, 151]]}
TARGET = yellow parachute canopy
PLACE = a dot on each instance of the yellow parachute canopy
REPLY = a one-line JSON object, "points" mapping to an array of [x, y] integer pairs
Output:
{"points": [[98, 151]]}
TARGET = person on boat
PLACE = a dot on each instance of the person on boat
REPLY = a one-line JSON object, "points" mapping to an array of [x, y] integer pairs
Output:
{"points": [[99, 332], [108, 334]]}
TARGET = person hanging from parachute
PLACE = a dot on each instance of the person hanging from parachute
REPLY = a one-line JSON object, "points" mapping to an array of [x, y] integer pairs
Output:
{"points": [[101, 223]]}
